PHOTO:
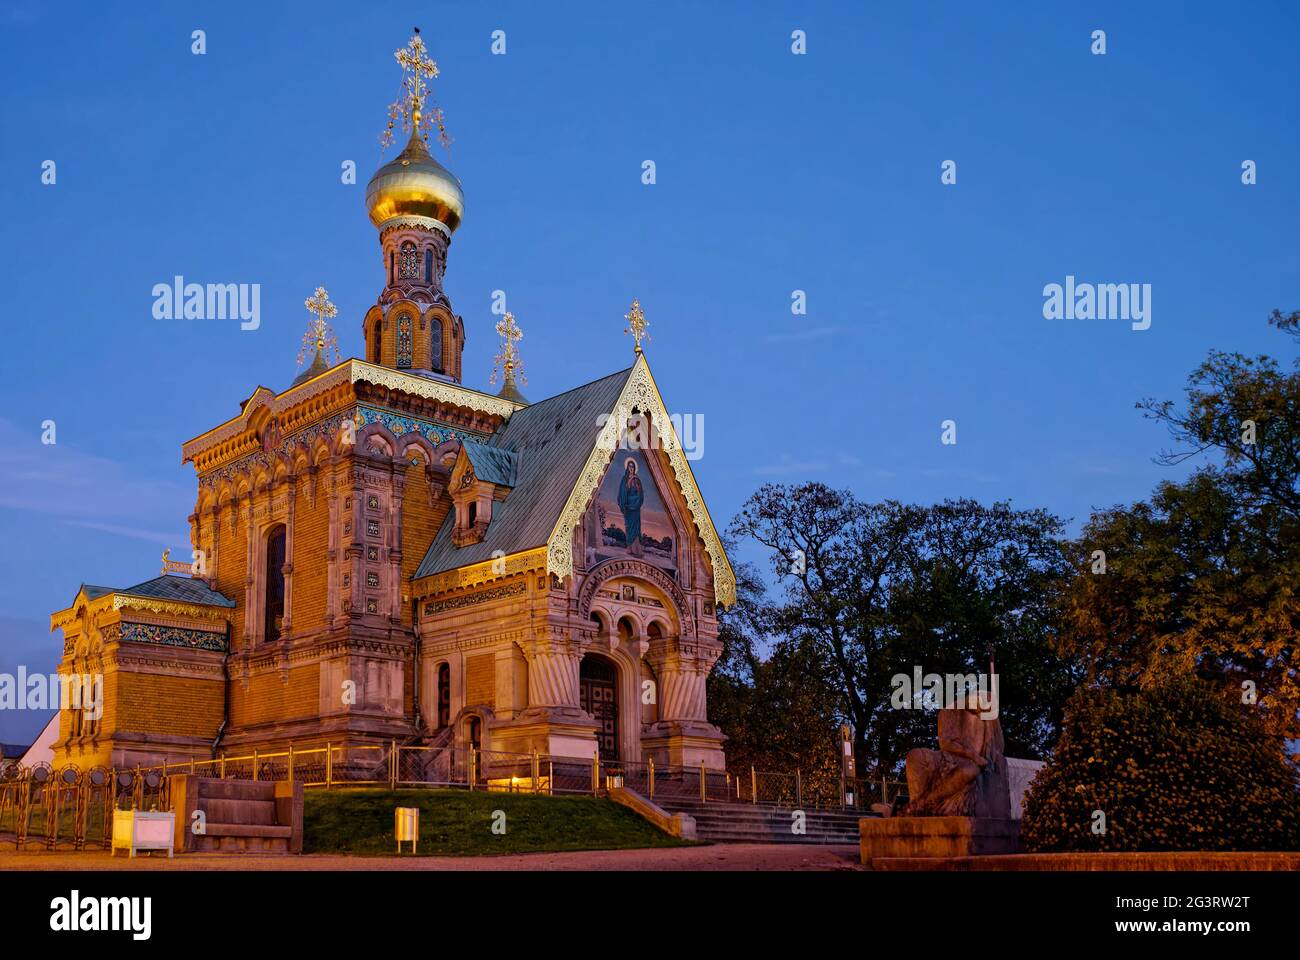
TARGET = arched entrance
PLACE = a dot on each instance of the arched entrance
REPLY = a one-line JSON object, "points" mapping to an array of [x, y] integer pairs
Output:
{"points": [[598, 695]]}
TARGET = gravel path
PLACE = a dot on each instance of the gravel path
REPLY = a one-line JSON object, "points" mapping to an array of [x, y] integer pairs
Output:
{"points": [[730, 856]]}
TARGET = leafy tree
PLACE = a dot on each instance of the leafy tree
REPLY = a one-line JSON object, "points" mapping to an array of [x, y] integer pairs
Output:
{"points": [[871, 590], [1205, 577], [1174, 767], [779, 712]]}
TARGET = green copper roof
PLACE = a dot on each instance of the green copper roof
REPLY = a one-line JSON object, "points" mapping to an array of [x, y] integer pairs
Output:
{"points": [[179, 589]]}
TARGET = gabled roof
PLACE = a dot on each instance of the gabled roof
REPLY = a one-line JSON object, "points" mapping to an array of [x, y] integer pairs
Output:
{"points": [[492, 464], [550, 442]]}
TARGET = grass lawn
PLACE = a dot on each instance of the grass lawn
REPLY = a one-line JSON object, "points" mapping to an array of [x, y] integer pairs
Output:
{"points": [[459, 823]]}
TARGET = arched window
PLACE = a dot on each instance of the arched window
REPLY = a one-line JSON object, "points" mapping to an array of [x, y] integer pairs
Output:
{"points": [[625, 631], [375, 341], [444, 695], [428, 265], [404, 341], [435, 339], [408, 266], [274, 583]]}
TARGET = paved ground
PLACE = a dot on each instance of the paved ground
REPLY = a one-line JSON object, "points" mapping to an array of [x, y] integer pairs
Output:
{"points": [[730, 856]]}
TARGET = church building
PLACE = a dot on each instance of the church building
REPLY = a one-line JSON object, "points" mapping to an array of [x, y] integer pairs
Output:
{"points": [[383, 553]]}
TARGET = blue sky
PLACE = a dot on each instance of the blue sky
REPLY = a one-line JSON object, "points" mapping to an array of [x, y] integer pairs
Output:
{"points": [[775, 173]]}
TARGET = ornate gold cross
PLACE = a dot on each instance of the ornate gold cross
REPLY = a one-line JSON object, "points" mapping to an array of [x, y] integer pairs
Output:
{"points": [[408, 109], [636, 324], [507, 357], [319, 333]]}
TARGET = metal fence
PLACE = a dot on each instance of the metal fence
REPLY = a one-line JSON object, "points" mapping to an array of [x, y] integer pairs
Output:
{"points": [[71, 808]]}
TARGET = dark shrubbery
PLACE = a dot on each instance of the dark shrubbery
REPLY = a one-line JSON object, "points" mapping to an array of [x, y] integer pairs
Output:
{"points": [[1177, 767]]}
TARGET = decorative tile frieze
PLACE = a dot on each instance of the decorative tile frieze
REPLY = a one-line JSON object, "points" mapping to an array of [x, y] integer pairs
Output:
{"points": [[129, 632], [470, 599]]}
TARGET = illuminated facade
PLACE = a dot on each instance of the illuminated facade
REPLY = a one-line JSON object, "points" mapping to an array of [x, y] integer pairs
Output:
{"points": [[384, 553]]}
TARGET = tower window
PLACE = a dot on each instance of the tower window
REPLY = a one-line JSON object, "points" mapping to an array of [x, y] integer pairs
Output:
{"points": [[428, 265], [375, 341], [435, 337], [404, 341], [274, 583], [408, 263]]}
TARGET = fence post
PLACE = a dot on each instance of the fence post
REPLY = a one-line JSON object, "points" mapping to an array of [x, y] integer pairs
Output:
{"points": [[291, 763], [704, 792], [329, 765], [798, 787], [536, 769], [650, 779], [550, 777], [191, 764], [392, 764], [473, 774], [223, 764], [595, 773]]}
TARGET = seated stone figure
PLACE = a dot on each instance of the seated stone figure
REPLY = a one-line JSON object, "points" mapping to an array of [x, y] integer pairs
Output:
{"points": [[966, 776]]}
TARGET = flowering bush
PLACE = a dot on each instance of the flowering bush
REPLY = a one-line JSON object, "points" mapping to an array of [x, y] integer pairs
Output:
{"points": [[1178, 767]]}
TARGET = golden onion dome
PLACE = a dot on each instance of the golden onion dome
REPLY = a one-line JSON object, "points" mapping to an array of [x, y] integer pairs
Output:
{"points": [[415, 187]]}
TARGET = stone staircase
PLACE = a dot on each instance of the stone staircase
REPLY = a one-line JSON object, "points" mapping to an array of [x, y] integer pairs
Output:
{"points": [[727, 822], [240, 816]]}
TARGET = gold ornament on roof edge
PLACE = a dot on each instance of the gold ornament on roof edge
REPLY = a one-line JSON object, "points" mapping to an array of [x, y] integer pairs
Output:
{"points": [[507, 359], [636, 324], [320, 335]]}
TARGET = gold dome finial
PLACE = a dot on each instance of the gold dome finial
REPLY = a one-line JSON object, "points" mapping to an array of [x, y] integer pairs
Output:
{"points": [[636, 324], [414, 188]]}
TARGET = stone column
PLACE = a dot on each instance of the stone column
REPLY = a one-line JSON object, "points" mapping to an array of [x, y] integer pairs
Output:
{"points": [[681, 671], [393, 537], [552, 673], [286, 625], [334, 572]]}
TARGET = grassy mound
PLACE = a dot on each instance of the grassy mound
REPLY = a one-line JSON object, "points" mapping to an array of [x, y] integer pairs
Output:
{"points": [[459, 823]]}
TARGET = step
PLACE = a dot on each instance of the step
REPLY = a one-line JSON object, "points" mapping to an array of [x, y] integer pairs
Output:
{"points": [[236, 790], [247, 830], [240, 844], [238, 811]]}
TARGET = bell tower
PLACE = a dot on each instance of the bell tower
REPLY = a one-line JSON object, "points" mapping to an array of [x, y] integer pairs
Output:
{"points": [[416, 204]]}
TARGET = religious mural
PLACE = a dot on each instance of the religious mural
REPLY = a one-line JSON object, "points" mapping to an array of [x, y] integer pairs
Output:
{"points": [[631, 517]]}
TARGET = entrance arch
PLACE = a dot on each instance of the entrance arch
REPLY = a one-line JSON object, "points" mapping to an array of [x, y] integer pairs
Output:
{"points": [[598, 695]]}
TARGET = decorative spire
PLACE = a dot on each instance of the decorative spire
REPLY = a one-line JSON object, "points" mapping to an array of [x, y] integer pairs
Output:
{"points": [[414, 95], [319, 334], [636, 324], [507, 359]]}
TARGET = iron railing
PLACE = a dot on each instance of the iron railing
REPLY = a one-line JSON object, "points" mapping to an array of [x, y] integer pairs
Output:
{"points": [[72, 808], [42, 806]]}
